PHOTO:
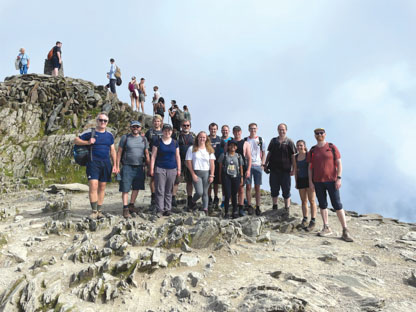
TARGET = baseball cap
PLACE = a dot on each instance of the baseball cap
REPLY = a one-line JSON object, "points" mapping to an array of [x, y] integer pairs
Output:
{"points": [[232, 141], [135, 123], [167, 127], [236, 128], [319, 129]]}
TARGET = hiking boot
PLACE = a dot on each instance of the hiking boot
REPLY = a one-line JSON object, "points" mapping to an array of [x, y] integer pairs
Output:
{"points": [[216, 202], [258, 211], [153, 201], [235, 213], [274, 207], [174, 203], [346, 236], [326, 231], [133, 209], [310, 227], [126, 213], [192, 206], [166, 213], [93, 215], [285, 214], [304, 224], [100, 215], [209, 201], [242, 212], [250, 210]]}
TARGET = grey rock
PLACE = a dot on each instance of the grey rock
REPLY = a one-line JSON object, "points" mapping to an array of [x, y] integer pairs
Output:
{"points": [[185, 247], [115, 242], [189, 261], [73, 187], [412, 279], [184, 293], [204, 233], [18, 253], [52, 292], [368, 260], [178, 282], [194, 278], [328, 258], [409, 236], [156, 256], [264, 237], [251, 226]]}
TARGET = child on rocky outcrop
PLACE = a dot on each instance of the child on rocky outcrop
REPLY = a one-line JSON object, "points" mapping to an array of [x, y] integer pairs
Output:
{"points": [[231, 169]]}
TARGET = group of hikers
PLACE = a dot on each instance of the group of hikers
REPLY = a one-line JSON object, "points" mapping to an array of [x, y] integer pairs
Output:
{"points": [[207, 161]]}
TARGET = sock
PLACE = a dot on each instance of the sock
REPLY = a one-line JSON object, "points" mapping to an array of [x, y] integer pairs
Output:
{"points": [[305, 219], [240, 207], [274, 206], [125, 206], [313, 220], [93, 205], [99, 207]]}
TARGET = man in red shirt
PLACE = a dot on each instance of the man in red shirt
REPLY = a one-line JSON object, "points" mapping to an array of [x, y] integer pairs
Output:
{"points": [[325, 173]]}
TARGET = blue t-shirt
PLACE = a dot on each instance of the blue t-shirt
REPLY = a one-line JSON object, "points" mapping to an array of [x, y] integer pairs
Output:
{"points": [[101, 147], [166, 154], [222, 145], [216, 145], [23, 58]]}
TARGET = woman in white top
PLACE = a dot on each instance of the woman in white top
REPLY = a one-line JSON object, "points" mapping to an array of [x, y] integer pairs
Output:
{"points": [[200, 160]]}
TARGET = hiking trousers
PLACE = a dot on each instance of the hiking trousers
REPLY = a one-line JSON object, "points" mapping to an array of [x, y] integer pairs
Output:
{"points": [[164, 180], [201, 187], [230, 186]]}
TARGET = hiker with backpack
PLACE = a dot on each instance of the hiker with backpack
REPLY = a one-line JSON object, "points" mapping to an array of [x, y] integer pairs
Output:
{"points": [[153, 136], [186, 113], [200, 161], [280, 162], [258, 158], [231, 177], [302, 184], [111, 76], [133, 154], [23, 61], [325, 172], [174, 116], [142, 94], [159, 107], [55, 56], [133, 87], [98, 167]]}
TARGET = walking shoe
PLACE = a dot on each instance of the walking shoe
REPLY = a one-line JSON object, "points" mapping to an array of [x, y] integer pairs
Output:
{"points": [[133, 209], [258, 211], [93, 215], [346, 236], [242, 212], [304, 224], [215, 202], [209, 201], [192, 206], [235, 213], [166, 213], [152, 200], [285, 214], [126, 213], [310, 227], [274, 207], [250, 210], [100, 215], [326, 231]]}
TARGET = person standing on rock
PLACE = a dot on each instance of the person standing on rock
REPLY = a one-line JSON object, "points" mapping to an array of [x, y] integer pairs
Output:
{"points": [[231, 177], [216, 145], [132, 152], [111, 76], [153, 136], [325, 172], [302, 184], [155, 99], [225, 137], [173, 113], [24, 61], [280, 162], [243, 148], [186, 113], [200, 161], [56, 58], [185, 139], [99, 167], [160, 108], [165, 167], [258, 157], [134, 93], [142, 94]]}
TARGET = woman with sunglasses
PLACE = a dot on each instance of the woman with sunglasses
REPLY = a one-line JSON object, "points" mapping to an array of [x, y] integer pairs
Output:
{"points": [[302, 184], [200, 161], [164, 167]]}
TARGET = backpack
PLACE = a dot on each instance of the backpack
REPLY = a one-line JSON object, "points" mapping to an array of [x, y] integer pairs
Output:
{"points": [[50, 54], [180, 115], [118, 81], [83, 153], [131, 87], [260, 142], [117, 74]]}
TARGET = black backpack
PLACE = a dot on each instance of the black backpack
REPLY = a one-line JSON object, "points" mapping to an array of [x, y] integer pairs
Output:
{"points": [[83, 153]]}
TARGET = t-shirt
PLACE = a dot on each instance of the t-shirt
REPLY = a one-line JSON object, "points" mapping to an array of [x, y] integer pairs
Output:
{"points": [[133, 149], [185, 141], [281, 154], [231, 164], [166, 154], [302, 166], [23, 58], [223, 142], [187, 115], [255, 150], [156, 97], [56, 49], [200, 158], [101, 147], [323, 163], [153, 136], [216, 145]]}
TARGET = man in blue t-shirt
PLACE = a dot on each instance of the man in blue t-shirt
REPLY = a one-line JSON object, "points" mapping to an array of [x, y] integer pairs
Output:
{"points": [[24, 61], [99, 167], [216, 145]]}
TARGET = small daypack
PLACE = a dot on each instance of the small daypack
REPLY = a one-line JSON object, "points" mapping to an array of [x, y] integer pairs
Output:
{"points": [[117, 74], [118, 81], [83, 153], [50, 54], [180, 115], [131, 87]]}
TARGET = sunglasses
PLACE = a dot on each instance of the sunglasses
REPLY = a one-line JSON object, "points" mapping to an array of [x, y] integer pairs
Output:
{"points": [[103, 120], [186, 126], [319, 133], [135, 127]]}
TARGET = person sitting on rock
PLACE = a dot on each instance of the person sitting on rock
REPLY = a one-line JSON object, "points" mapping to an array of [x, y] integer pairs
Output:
{"points": [[132, 150], [231, 177], [200, 161], [99, 167], [325, 173], [302, 184]]}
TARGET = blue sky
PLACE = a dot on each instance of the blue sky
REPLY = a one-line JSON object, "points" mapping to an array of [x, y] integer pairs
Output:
{"points": [[347, 66]]}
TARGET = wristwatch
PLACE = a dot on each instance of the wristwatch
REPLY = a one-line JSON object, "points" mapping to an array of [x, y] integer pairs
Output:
{"points": [[339, 177]]}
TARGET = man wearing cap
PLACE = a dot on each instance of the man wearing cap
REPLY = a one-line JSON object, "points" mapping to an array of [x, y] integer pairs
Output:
{"points": [[99, 167], [132, 153], [325, 172], [280, 162]]}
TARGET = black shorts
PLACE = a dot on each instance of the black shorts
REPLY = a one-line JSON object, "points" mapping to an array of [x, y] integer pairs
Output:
{"points": [[185, 175], [217, 173], [302, 183], [55, 63]]}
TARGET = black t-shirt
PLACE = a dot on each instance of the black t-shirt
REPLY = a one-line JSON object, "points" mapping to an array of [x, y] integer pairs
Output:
{"points": [[185, 141], [56, 49], [281, 154], [216, 145]]}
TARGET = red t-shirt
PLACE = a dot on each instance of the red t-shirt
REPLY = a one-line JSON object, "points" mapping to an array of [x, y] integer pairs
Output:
{"points": [[323, 163]]}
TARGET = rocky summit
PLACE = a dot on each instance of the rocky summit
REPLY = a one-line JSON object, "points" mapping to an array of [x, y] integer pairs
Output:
{"points": [[54, 258]]}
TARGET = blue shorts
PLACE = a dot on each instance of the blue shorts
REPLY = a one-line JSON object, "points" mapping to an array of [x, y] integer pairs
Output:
{"points": [[321, 188], [255, 172], [132, 178], [55, 63], [99, 170]]}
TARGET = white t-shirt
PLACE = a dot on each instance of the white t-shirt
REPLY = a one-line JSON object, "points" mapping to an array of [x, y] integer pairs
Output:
{"points": [[255, 150], [157, 96], [200, 158]]}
